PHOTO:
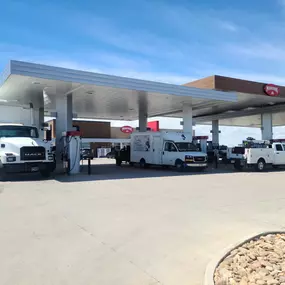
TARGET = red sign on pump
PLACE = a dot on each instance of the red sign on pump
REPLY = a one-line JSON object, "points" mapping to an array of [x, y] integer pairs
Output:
{"points": [[126, 129], [271, 90]]}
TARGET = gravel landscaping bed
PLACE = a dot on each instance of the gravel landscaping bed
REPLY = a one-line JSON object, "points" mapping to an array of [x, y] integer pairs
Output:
{"points": [[259, 261]]}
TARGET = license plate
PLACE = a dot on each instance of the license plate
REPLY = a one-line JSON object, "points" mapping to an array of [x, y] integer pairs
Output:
{"points": [[34, 169], [232, 161]]}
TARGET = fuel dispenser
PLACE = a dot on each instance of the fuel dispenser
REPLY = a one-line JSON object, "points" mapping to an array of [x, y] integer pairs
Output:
{"points": [[71, 151], [202, 141]]}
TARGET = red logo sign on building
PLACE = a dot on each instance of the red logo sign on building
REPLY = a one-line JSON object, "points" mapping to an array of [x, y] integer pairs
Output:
{"points": [[271, 90], [126, 129]]}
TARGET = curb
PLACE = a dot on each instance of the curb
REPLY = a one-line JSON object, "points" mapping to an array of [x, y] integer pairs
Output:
{"points": [[213, 264]]}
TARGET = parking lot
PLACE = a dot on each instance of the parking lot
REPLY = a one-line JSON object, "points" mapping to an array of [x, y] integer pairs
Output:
{"points": [[129, 226]]}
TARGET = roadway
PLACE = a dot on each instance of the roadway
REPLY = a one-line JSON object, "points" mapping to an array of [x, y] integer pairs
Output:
{"points": [[130, 226]]}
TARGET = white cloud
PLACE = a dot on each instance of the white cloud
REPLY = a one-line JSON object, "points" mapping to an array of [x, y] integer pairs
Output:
{"points": [[228, 26], [258, 77], [282, 3], [260, 50]]}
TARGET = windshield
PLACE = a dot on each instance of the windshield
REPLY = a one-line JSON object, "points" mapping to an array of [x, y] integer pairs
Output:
{"points": [[186, 146], [18, 131]]}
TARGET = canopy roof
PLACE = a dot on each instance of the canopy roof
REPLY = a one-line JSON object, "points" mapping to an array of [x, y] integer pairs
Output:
{"points": [[102, 96]]}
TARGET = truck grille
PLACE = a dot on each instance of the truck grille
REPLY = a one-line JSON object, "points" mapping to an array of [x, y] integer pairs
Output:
{"points": [[199, 158], [33, 153]]}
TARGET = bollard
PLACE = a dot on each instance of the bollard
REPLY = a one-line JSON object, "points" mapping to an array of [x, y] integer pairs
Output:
{"points": [[89, 166]]}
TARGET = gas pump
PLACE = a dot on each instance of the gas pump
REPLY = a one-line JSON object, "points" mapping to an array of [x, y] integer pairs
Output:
{"points": [[202, 141], [71, 151]]}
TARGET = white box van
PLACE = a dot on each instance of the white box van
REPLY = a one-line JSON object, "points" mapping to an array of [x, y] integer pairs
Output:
{"points": [[166, 149]]}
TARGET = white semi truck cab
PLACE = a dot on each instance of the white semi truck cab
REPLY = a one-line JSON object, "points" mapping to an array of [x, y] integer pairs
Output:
{"points": [[21, 150], [166, 149]]}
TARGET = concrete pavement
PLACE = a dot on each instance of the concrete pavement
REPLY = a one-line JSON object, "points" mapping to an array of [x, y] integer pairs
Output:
{"points": [[130, 226]]}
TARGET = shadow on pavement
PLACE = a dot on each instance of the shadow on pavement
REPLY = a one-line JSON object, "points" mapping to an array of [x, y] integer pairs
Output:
{"points": [[113, 172], [101, 172]]}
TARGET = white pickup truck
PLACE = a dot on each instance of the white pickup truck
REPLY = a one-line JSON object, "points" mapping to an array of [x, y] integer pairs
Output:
{"points": [[272, 154], [21, 150]]}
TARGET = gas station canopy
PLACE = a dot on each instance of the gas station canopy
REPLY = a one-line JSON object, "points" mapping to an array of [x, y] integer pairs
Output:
{"points": [[102, 96]]}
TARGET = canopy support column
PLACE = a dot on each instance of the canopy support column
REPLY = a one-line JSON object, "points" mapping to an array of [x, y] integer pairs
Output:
{"points": [[188, 120], [63, 123], [266, 126], [215, 132], [143, 107]]}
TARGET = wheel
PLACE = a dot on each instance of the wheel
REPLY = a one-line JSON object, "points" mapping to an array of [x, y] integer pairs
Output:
{"points": [[142, 163], [45, 173], [260, 166], [118, 162], [179, 165]]}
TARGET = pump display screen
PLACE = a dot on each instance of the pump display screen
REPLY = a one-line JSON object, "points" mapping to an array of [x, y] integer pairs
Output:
{"points": [[18, 132]]}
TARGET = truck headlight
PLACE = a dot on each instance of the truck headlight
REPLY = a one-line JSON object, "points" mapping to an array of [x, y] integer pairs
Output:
{"points": [[11, 158], [189, 158]]}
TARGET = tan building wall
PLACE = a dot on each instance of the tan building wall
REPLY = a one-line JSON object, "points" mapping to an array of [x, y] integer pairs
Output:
{"points": [[89, 129], [205, 83], [223, 83]]}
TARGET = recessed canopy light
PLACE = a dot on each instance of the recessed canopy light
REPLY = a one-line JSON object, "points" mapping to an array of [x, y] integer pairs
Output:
{"points": [[36, 82], [90, 92]]}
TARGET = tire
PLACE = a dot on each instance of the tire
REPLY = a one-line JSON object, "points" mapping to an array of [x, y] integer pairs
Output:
{"points": [[143, 163], [118, 162], [260, 166], [179, 165], [45, 173]]}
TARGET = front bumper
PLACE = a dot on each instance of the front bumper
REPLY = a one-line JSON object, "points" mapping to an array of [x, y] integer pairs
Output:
{"points": [[196, 164], [28, 167], [237, 160]]}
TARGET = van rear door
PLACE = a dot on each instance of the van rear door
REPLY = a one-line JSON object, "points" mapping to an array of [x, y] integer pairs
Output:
{"points": [[157, 150]]}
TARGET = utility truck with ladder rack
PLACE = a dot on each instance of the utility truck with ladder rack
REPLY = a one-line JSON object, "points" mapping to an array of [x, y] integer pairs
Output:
{"points": [[258, 154]]}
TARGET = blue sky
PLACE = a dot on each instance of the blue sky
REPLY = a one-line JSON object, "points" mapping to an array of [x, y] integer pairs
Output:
{"points": [[169, 41]]}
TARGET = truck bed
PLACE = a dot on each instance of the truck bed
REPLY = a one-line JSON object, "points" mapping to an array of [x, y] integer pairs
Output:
{"points": [[253, 155]]}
